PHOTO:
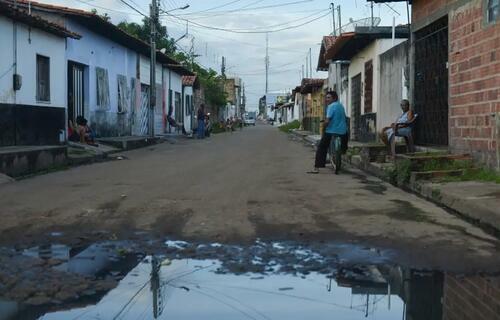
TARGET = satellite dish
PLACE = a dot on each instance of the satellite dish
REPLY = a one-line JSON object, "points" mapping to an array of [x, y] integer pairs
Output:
{"points": [[163, 50], [365, 22]]}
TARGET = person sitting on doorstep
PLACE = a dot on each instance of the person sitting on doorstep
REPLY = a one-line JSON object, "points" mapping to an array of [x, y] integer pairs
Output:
{"points": [[85, 132], [401, 128]]}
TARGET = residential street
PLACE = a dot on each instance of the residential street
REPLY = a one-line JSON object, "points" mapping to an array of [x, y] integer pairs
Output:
{"points": [[235, 188]]}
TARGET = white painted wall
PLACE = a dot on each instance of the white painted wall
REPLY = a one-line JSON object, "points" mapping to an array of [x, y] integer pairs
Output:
{"points": [[188, 118], [357, 66], [29, 44]]}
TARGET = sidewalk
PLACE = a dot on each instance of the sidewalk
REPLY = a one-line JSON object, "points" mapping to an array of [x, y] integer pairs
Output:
{"points": [[474, 200]]}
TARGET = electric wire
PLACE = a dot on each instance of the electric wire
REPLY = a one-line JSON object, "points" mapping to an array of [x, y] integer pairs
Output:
{"points": [[132, 7], [252, 31]]}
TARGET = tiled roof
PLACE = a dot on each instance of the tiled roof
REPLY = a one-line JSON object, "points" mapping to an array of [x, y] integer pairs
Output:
{"points": [[105, 28], [188, 80], [327, 43], [7, 9]]}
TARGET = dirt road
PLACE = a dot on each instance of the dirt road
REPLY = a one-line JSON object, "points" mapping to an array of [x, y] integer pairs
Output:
{"points": [[236, 188]]}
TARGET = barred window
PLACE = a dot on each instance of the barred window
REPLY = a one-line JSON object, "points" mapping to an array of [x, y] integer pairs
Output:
{"points": [[102, 87], [493, 10], [42, 78]]}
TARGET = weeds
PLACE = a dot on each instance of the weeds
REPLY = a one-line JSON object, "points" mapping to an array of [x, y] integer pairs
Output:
{"points": [[290, 126]]}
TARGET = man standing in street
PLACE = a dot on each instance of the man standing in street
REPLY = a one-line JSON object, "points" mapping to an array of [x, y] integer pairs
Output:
{"points": [[335, 124], [201, 121]]}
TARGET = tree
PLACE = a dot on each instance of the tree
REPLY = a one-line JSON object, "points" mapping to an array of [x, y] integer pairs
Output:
{"points": [[209, 79], [143, 32], [105, 16]]}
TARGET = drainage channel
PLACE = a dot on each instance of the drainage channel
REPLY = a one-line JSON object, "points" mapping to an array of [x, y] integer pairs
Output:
{"points": [[265, 280]]}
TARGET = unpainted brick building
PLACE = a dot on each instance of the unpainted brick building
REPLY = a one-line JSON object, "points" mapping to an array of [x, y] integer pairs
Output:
{"points": [[456, 76]]}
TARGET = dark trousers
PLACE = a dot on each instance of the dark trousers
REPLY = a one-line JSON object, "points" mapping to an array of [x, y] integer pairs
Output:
{"points": [[322, 150]]}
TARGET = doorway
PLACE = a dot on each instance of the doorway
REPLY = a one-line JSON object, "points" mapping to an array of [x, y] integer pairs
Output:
{"points": [[76, 94], [431, 84]]}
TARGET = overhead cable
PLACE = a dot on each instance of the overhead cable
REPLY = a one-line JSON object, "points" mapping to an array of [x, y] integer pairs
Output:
{"points": [[251, 31]]}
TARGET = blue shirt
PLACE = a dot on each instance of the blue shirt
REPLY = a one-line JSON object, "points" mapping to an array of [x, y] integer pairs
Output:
{"points": [[336, 113]]}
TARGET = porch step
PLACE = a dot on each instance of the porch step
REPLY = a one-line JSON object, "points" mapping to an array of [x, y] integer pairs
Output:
{"points": [[20, 161], [436, 161], [129, 142]]}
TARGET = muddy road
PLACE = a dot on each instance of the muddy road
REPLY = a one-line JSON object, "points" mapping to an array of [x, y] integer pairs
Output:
{"points": [[236, 188], [236, 225]]}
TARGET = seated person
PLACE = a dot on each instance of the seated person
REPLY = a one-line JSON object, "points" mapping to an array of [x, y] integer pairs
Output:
{"points": [[401, 128], [171, 121], [85, 132], [73, 132]]}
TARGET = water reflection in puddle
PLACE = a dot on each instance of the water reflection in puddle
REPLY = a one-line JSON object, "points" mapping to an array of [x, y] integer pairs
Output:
{"points": [[273, 280], [195, 289]]}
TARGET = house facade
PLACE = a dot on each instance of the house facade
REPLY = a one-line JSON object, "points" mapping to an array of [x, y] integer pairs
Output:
{"points": [[108, 76], [33, 66], [354, 61], [455, 62]]}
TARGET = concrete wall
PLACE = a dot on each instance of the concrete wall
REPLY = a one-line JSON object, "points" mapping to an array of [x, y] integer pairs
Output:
{"points": [[94, 50], [392, 84], [357, 66], [30, 42], [23, 119]]}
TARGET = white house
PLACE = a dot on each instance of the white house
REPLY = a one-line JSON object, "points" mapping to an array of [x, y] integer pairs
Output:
{"points": [[32, 69], [189, 84], [353, 61], [108, 73]]}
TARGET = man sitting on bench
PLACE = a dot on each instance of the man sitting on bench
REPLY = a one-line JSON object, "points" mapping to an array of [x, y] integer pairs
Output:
{"points": [[401, 128]]}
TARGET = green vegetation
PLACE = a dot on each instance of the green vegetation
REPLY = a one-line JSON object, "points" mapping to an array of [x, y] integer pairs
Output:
{"points": [[218, 128], [209, 79], [400, 173], [472, 174], [440, 165], [290, 126]]}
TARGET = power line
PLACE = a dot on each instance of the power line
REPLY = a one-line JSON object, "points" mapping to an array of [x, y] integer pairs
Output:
{"points": [[251, 31], [132, 7], [107, 9], [253, 8]]}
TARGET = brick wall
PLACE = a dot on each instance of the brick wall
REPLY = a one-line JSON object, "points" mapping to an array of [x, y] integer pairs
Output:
{"points": [[474, 75], [471, 298], [474, 66]]}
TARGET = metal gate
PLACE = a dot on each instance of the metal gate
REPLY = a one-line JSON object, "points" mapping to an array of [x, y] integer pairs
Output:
{"points": [[144, 111], [431, 83], [75, 91], [369, 86], [356, 106]]}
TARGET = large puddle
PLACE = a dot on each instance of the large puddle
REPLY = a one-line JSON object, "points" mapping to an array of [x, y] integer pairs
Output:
{"points": [[116, 280]]}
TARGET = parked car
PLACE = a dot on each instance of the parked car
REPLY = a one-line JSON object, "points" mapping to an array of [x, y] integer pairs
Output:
{"points": [[249, 119]]}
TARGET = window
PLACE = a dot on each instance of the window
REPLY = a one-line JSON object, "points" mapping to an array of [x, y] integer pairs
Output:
{"points": [[122, 94], [493, 10], [42, 78], [102, 86], [178, 107]]}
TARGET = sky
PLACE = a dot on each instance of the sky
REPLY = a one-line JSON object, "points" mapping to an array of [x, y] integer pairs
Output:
{"points": [[305, 23]]}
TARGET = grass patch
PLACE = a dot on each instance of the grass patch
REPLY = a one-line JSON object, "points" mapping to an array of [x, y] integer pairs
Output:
{"points": [[440, 165], [290, 126], [217, 128], [400, 173], [471, 174]]}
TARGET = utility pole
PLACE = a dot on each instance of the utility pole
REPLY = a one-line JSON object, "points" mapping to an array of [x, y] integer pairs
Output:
{"points": [[307, 66], [332, 6], [303, 75], [371, 25], [310, 64], [340, 20], [152, 70], [267, 62]]}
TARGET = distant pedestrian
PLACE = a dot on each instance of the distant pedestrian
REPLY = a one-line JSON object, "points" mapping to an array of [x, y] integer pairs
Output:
{"points": [[335, 125], [201, 122]]}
